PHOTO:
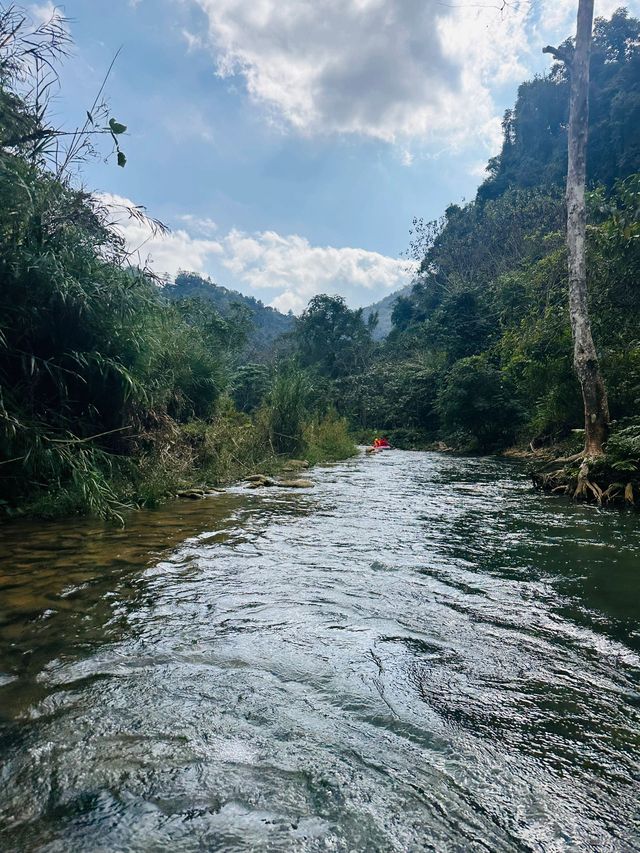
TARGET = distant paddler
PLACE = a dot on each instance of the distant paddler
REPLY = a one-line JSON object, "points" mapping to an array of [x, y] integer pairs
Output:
{"points": [[378, 445]]}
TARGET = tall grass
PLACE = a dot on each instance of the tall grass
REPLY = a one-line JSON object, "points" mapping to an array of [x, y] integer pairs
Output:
{"points": [[327, 439], [110, 396], [288, 409]]}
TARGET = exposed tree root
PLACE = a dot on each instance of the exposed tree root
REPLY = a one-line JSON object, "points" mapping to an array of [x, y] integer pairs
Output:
{"points": [[590, 482]]}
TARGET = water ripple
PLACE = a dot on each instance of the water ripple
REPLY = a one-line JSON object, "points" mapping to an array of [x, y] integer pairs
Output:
{"points": [[418, 655]]}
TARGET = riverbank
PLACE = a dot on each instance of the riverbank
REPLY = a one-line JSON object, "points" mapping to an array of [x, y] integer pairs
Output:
{"points": [[609, 480], [161, 463], [597, 481]]}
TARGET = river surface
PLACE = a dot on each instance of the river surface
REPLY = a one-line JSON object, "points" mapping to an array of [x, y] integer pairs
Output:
{"points": [[420, 654]]}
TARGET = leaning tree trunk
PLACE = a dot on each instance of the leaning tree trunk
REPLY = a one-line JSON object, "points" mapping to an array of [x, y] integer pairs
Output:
{"points": [[585, 358]]}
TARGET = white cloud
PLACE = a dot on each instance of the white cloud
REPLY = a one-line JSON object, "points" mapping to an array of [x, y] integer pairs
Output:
{"points": [[42, 13], [202, 226], [283, 270], [395, 70], [363, 66], [164, 253], [298, 270]]}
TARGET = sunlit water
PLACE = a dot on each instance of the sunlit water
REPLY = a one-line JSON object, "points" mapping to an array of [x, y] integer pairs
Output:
{"points": [[419, 654]]}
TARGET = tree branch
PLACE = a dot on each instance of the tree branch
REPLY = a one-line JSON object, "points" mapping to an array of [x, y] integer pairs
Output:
{"points": [[559, 53]]}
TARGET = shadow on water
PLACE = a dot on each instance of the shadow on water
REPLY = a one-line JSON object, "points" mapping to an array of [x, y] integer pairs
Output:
{"points": [[418, 655]]}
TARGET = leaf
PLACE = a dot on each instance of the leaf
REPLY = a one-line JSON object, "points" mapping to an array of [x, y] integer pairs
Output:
{"points": [[625, 465], [122, 160], [116, 127]]}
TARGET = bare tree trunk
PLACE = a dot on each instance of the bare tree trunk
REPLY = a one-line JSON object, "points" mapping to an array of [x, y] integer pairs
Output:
{"points": [[585, 358]]}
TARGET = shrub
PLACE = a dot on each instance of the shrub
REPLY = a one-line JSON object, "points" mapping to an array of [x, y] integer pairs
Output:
{"points": [[328, 439]]}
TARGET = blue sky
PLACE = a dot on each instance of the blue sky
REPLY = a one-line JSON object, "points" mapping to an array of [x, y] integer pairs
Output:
{"points": [[289, 144]]}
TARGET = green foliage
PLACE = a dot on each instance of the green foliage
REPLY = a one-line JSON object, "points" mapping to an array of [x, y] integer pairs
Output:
{"points": [[481, 350], [255, 327], [475, 401], [402, 313], [117, 392], [623, 447], [510, 306], [384, 310], [534, 150], [111, 395], [332, 339], [392, 393], [288, 409], [249, 386], [327, 439]]}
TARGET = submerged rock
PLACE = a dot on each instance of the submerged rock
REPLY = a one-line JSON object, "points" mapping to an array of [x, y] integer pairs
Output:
{"points": [[196, 494], [292, 464], [256, 481], [296, 484]]}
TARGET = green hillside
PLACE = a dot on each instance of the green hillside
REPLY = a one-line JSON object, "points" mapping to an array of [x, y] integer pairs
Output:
{"points": [[265, 324]]}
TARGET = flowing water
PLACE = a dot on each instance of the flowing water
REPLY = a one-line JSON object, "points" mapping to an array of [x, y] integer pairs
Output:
{"points": [[419, 654]]}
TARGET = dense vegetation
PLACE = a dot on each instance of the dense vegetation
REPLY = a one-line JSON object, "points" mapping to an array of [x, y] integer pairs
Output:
{"points": [[112, 395], [116, 389], [479, 355], [264, 324]]}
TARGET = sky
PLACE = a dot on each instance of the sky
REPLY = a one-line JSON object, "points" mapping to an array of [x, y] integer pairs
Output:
{"points": [[288, 144]]}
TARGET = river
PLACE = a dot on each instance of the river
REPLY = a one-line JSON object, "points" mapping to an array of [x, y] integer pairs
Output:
{"points": [[420, 654]]}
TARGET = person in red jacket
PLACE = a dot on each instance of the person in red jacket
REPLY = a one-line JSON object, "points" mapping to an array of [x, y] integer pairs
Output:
{"points": [[381, 442]]}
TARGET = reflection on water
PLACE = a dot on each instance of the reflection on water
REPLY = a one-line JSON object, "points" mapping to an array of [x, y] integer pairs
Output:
{"points": [[417, 655]]}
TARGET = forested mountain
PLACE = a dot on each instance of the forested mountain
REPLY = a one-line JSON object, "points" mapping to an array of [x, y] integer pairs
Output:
{"points": [[264, 324], [384, 310], [480, 352], [534, 148]]}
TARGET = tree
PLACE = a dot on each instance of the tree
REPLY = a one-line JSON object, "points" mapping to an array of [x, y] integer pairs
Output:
{"points": [[331, 338], [585, 357]]}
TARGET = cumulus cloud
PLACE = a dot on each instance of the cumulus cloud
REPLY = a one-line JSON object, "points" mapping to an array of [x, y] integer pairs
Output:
{"points": [[285, 271], [202, 226], [298, 270], [362, 66], [164, 253], [388, 69]]}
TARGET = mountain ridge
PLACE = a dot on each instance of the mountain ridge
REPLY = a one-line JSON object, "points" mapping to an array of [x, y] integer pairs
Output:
{"points": [[385, 307], [268, 323]]}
